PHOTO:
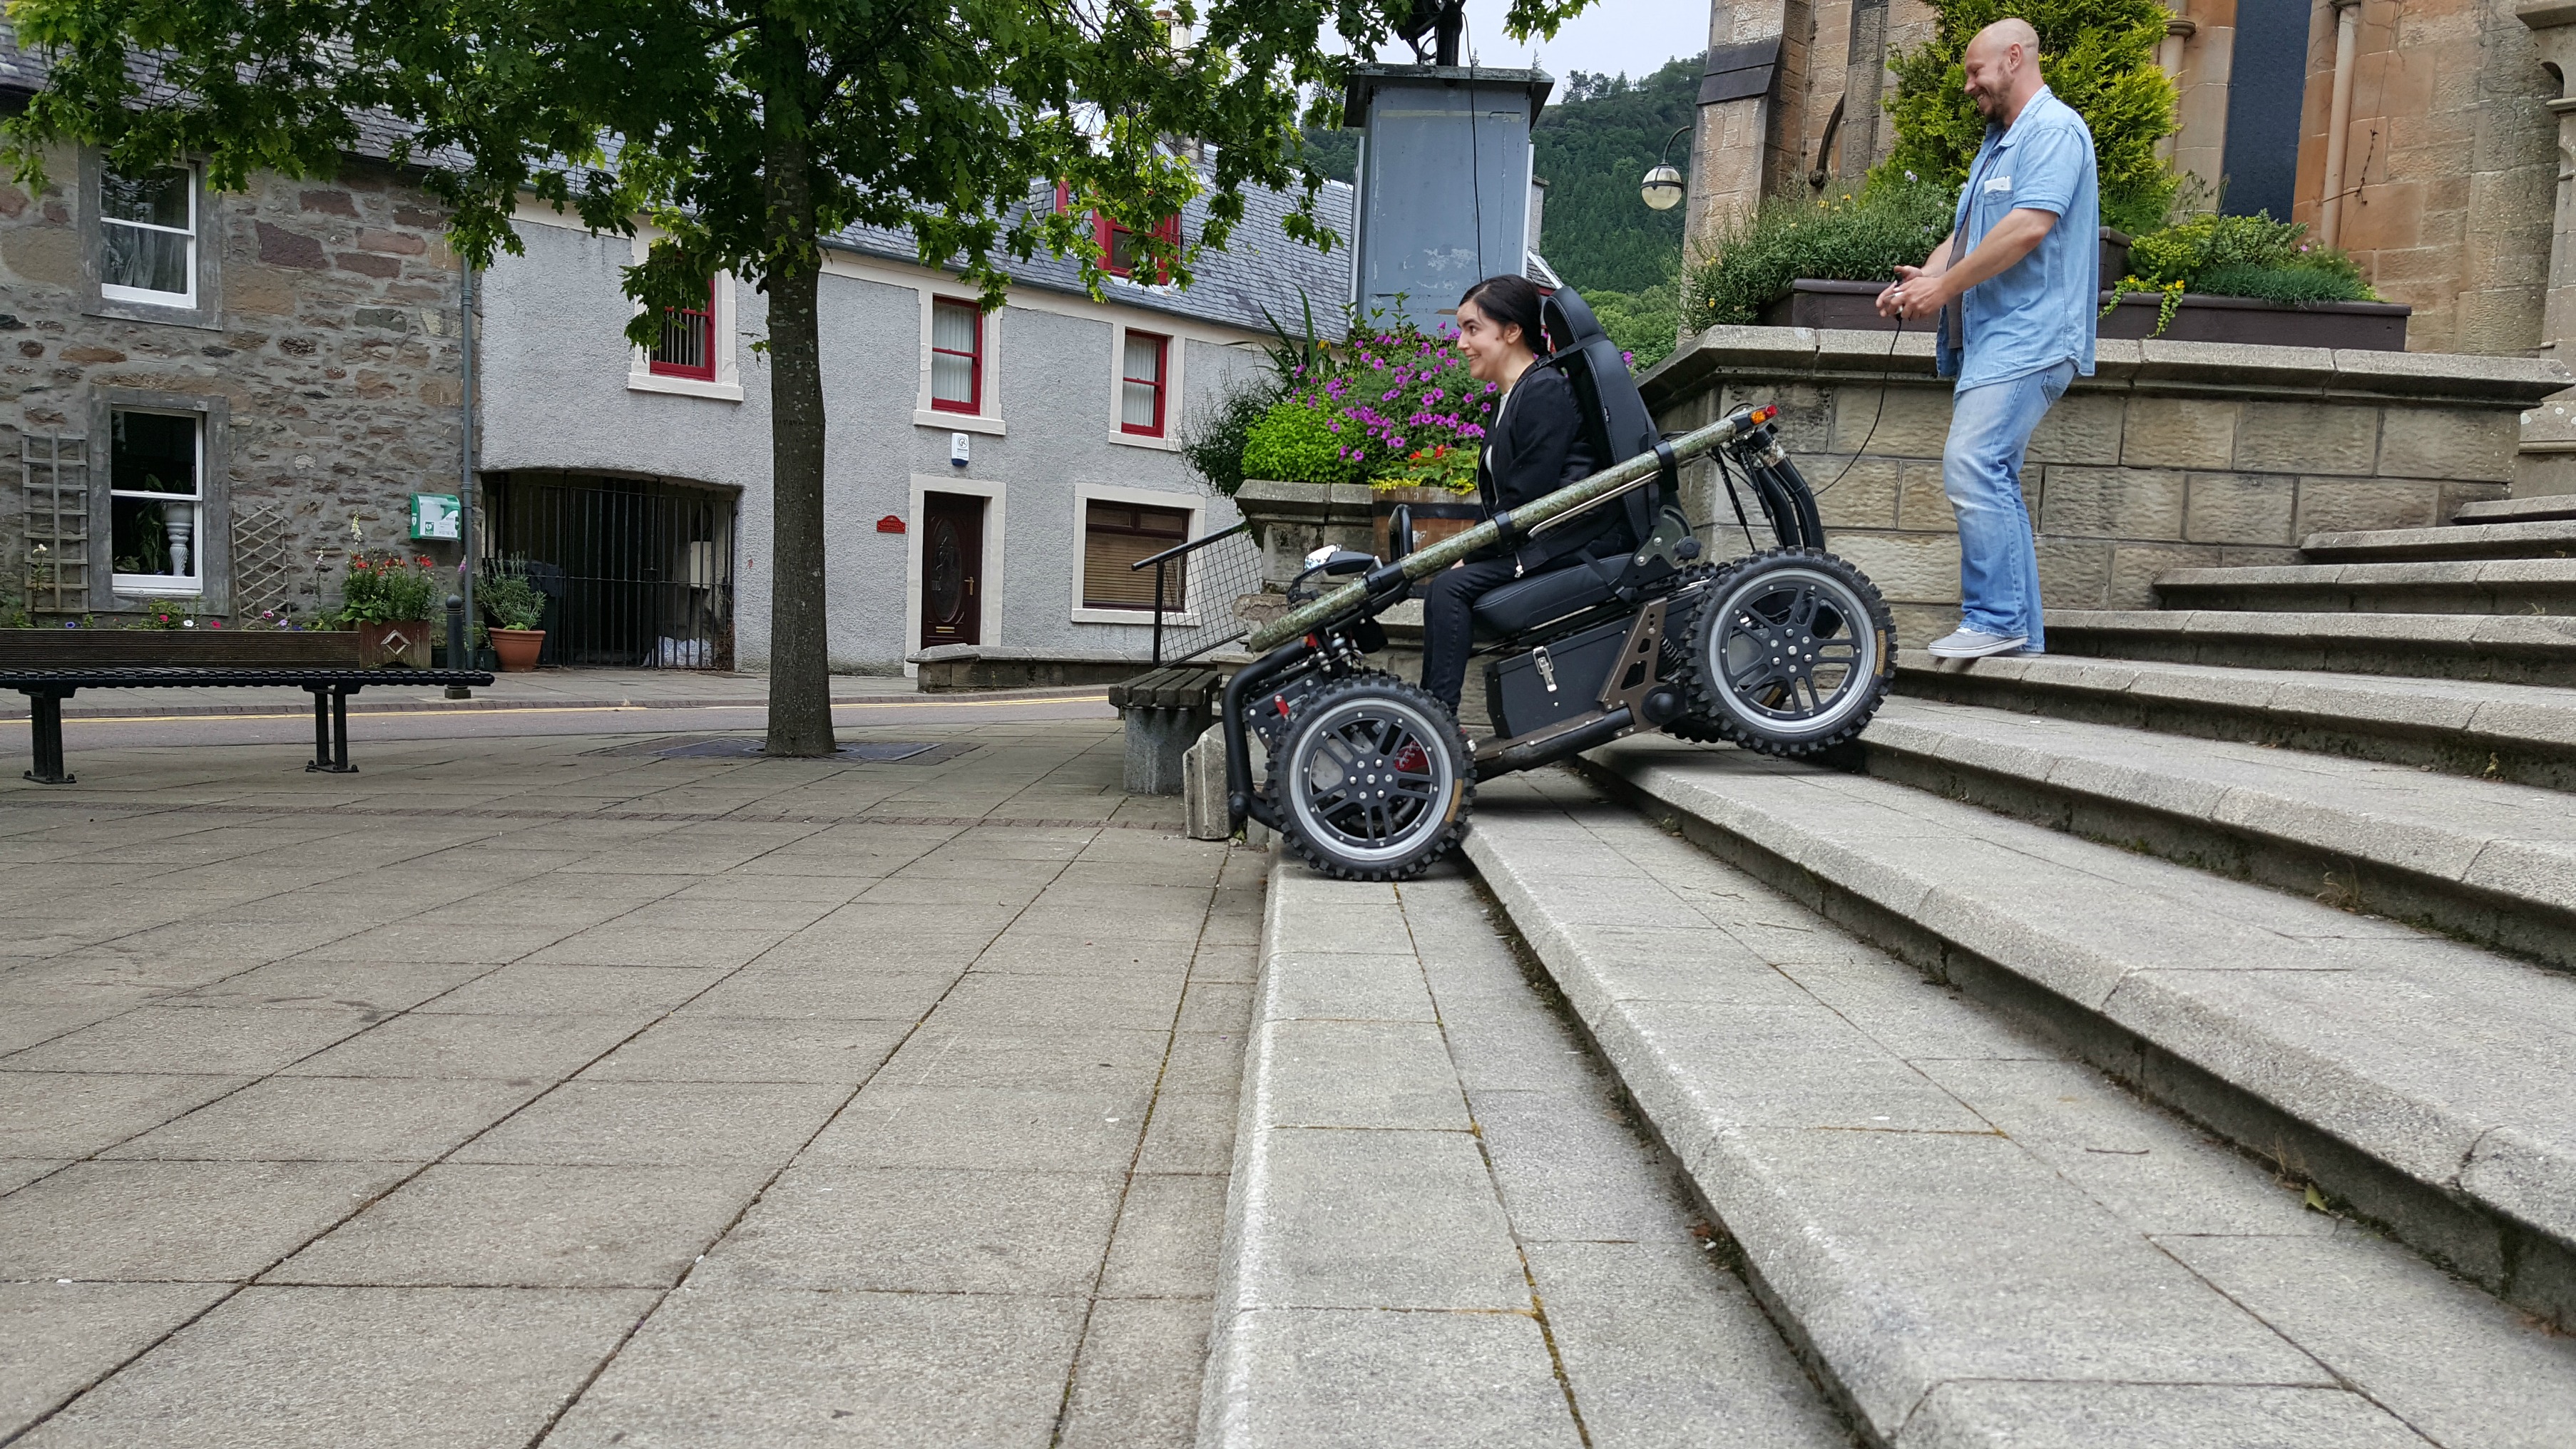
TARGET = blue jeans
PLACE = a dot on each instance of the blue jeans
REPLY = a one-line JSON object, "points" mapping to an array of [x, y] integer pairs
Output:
{"points": [[1990, 426]]}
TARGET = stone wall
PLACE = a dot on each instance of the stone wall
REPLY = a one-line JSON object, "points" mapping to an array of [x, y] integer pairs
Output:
{"points": [[329, 339], [2173, 455]]}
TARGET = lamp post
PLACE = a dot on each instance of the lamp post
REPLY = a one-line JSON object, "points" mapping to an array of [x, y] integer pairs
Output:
{"points": [[1662, 188]]}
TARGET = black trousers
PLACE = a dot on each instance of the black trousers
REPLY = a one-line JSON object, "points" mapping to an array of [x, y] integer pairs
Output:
{"points": [[1448, 624]]}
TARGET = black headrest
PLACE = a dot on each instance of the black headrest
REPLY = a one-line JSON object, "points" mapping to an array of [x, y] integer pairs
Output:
{"points": [[1614, 412]]}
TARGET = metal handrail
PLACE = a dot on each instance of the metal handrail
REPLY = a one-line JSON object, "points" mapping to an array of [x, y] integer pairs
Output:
{"points": [[1160, 561]]}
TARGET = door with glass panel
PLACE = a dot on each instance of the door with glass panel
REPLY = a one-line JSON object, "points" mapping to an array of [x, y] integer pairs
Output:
{"points": [[952, 568]]}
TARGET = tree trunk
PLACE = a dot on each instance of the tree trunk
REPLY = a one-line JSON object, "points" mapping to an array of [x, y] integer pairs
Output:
{"points": [[800, 678]]}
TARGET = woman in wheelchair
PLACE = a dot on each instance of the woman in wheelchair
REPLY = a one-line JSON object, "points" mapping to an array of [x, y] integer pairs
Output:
{"points": [[1534, 445]]}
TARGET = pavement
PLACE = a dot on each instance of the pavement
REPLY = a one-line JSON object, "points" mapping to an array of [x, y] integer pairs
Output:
{"points": [[534, 1088], [535, 689]]}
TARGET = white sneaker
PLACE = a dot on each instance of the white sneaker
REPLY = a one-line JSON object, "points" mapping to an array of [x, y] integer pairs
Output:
{"points": [[1969, 644]]}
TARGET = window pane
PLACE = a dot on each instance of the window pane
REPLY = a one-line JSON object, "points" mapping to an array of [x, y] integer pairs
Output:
{"points": [[157, 198], [154, 453], [155, 537], [1144, 358], [952, 378], [1117, 535], [149, 261], [953, 327], [684, 341], [1126, 250], [1136, 405]]}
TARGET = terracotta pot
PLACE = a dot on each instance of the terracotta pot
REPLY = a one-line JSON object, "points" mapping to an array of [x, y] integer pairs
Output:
{"points": [[403, 644], [518, 648], [1437, 513]]}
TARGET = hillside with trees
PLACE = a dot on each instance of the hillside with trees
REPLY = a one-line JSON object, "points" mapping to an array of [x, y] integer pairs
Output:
{"points": [[1593, 146]]}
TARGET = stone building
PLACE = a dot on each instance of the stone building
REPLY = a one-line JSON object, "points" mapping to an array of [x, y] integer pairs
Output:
{"points": [[2423, 136], [212, 397], [988, 475]]}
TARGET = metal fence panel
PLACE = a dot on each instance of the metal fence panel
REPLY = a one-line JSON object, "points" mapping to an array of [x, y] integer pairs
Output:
{"points": [[638, 573]]}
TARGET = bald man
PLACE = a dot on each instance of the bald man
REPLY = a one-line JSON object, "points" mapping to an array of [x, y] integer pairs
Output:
{"points": [[2015, 288]]}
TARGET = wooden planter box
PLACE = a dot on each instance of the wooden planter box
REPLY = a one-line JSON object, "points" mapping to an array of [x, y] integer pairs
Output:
{"points": [[400, 645], [2360, 326], [1437, 514], [200, 647]]}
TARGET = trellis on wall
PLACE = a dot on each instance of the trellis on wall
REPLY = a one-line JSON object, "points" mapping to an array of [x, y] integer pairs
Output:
{"points": [[264, 560], [53, 481]]}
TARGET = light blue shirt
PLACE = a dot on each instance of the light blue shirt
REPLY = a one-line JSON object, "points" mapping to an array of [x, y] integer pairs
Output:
{"points": [[2040, 311]]}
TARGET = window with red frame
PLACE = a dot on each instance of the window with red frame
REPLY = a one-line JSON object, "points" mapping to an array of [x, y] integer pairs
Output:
{"points": [[1141, 375], [688, 345], [1122, 249], [956, 356]]}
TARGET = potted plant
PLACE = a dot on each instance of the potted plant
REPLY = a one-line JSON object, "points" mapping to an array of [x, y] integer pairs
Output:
{"points": [[515, 608], [1438, 485], [388, 600]]}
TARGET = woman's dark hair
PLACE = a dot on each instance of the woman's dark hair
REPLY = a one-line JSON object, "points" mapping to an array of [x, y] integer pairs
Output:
{"points": [[1511, 301]]}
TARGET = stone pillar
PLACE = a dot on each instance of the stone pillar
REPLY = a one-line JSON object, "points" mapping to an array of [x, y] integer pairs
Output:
{"points": [[2553, 29], [1737, 149]]}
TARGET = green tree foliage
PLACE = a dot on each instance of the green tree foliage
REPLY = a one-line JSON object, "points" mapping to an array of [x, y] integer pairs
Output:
{"points": [[746, 130], [1858, 238], [1593, 147], [2098, 56]]}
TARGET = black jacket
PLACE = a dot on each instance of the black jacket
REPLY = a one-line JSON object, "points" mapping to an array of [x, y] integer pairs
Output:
{"points": [[1541, 447]]}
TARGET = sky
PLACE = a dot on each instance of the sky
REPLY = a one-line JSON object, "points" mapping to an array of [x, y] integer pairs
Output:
{"points": [[1613, 36]]}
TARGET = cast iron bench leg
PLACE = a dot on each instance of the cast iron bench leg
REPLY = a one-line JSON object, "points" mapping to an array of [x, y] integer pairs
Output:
{"points": [[46, 708], [331, 728]]}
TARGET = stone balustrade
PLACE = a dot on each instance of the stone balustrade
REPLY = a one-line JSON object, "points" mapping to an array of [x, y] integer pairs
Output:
{"points": [[2173, 455]]}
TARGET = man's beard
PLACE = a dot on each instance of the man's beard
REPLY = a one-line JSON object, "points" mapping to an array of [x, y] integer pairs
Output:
{"points": [[1989, 105]]}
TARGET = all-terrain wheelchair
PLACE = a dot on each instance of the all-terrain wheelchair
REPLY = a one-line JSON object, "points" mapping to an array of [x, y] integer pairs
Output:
{"points": [[1787, 649]]}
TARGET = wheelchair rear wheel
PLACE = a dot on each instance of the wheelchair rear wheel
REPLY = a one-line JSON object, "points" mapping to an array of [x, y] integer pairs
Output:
{"points": [[1791, 652], [1371, 779]]}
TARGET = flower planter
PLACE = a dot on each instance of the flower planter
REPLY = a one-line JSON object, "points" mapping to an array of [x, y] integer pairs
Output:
{"points": [[1290, 520], [402, 644], [2359, 326], [518, 648], [202, 647], [1437, 514]]}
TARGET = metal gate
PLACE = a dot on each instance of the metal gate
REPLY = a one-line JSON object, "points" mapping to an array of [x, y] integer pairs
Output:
{"points": [[638, 573]]}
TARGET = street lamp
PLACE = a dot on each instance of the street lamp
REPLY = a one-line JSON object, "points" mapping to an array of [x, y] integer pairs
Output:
{"points": [[1663, 185]]}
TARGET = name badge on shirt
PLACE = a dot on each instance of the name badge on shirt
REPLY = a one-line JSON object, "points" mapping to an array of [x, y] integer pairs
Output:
{"points": [[1998, 183]]}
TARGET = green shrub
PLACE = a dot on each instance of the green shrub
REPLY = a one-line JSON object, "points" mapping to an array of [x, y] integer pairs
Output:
{"points": [[386, 590], [1214, 440], [2098, 56], [2291, 285], [507, 597], [1642, 323], [1862, 237], [1294, 442], [2241, 256]]}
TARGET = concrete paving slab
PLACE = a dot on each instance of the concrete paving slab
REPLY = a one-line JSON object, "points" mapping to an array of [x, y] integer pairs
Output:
{"points": [[1136, 1385], [1162, 1249], [674, 1123], [1190, 1132], [687, 1048], [920, 1230], [786, 1370], [58, 1338], [519, 1225], [315, 984], [2454, 1364], [280, 1367], [1664, 1348], [1375, 1219], [2151, 1416], [1075, 1059], [333, 1119], [529, 989], [849, 991], [987, 1128], [1571, 1168], [534, 1048], [73, 1114], [1342, 1379], [147, 1221], [1359, 1074], [162, 1039]]}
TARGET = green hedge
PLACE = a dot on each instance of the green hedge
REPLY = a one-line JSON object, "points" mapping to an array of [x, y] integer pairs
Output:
{"points": [[1859, 237]]}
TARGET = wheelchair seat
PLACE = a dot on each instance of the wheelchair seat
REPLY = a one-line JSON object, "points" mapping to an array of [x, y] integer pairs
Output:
{"points": [[1526, 603]]}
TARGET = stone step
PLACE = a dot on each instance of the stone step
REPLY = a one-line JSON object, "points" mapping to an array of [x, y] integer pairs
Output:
{"points": [[2457, 586], [1974, 1237], [2536, 538], [2426, 1082], [2525, 734], [2511, 649], [1442, 1228], [2485, 861], [2518, 510]]}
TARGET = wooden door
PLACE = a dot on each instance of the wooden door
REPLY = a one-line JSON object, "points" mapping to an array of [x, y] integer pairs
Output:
{"points": [[952, 569]]}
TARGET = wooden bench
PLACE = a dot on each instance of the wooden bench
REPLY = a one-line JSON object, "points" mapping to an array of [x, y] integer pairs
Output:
{"points": [[51, 665], [1165, 711]]}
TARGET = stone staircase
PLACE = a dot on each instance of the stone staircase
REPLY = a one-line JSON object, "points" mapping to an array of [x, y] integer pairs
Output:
{"points": [[2170, 1040]]}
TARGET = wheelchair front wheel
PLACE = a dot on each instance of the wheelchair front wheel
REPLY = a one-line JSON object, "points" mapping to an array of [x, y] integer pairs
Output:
{"points": [[1791, 652], [1371, 780]]}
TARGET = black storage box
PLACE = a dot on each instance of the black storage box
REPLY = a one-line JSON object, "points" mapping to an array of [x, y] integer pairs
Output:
{"points": [[1555, 682]]}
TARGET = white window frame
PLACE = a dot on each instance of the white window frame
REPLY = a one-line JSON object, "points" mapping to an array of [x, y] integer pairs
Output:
{"points": [[993, 494], [112, 292], [1084, 495], [721, 330], [1175, 342], [164, 586], [987, 417]]}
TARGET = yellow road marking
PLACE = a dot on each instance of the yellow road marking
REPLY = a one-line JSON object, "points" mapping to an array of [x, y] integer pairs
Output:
{"points": [[933, 702]]}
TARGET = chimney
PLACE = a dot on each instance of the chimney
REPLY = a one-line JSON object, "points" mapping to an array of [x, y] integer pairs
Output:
{"points": [[1445, 192]]}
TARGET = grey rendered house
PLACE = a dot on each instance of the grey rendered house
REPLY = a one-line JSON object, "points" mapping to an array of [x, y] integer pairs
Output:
{"points": [[988, 475]]}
